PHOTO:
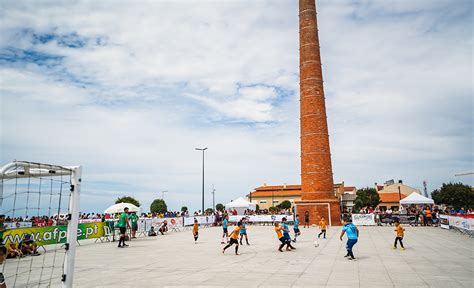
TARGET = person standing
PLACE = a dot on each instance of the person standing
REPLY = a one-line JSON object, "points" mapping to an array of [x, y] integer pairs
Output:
{"points": [[225, 233], [400, 233], [296, 227], [322, 226], [352, 235], [243, 231], [196, 230], [134, 221], [122, 225], [306, 219], [233, 239], [286, 233]]}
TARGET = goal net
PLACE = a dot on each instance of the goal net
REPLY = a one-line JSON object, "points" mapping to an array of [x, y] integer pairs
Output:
{"points": [[39, 211]]}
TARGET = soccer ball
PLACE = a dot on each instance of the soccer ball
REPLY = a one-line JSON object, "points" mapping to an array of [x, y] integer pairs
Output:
{"points": [[316, 244]]}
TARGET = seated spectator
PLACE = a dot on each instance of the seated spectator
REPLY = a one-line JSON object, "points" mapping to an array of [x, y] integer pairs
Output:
{"points": [[28, 246], [3, 254], [13, 251], [152, 231], [164, 227]]}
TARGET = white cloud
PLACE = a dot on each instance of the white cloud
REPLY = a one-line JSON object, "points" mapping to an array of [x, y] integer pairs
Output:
{"points": [[153, 81]]}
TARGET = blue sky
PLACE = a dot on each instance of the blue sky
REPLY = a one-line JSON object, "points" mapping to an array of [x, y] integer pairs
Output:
{"points": [[129, 90]]}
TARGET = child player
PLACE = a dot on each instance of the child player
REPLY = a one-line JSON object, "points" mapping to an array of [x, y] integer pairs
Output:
{"points": [[286, 233], [322, 226], [233, 239], [296, 227], [224, 228], [196, 230], [278, 230], [400, 233], [243, 231], [352, 234]]}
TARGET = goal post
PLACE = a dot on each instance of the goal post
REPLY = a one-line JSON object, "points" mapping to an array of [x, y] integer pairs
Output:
{"points": [[11, 176], [68, 276]]}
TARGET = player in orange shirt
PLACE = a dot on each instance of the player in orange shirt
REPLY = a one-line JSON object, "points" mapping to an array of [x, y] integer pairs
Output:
{"points": [[196, 230], [322, 226], [233, 239], [400, 233]]}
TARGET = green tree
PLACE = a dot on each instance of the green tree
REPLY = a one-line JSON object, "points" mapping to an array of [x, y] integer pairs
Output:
{"points": [[209, 210], [184, 209], [366, 197], [257, 208], [457, 195], [273, 209], [158, 206], [220, 207], [128, 199], [284, 205]]}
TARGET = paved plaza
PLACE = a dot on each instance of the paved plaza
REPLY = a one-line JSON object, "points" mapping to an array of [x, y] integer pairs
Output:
{"points": [[433, 258]]}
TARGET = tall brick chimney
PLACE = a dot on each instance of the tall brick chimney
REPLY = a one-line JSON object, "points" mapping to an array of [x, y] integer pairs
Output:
{"points": [[317, 186]]}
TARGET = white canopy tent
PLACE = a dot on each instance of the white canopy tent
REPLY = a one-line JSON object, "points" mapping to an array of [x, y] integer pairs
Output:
{"points": [[415, 198], [240, 204], [118, 208]]}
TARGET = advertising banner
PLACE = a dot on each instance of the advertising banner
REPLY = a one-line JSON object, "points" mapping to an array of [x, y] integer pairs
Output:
{"points": [[460, 222], [15, 225], [89, 220], [363, 219], [260, 218], [188, 221], [53, 234], [444, 221], [403, 218]]}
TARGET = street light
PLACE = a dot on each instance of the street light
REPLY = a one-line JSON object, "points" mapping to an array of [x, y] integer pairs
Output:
{"points": [[213, 198], [202, 149], [163, 194]]}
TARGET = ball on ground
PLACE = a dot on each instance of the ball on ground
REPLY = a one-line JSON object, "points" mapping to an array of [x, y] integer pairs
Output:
{"points": [[316, 244]]}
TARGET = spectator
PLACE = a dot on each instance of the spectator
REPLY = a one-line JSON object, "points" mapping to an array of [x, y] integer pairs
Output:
{"points": [[152, 231], [13, 251], [28, 246]]}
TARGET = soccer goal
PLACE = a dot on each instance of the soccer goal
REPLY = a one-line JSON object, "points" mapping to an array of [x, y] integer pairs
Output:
{"points": [[39, 207]]}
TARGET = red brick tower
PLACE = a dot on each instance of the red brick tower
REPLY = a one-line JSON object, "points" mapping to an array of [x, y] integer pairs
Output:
{"points": [[317, 187]]}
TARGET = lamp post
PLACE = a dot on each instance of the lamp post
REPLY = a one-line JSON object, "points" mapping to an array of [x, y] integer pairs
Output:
{"points": [[213, 198], [202, 149], [163, 194]]}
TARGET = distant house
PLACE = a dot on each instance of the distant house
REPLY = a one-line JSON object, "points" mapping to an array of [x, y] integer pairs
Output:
{"points": [[391, 193], [266, 196]]}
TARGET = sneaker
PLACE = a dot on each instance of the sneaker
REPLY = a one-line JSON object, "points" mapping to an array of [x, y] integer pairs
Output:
{"points": [[347, 255], [124, 245], [222, 242], [294, 240], [351, 258], [319, 236], [402, 248], [280, 250], [394, 247]]}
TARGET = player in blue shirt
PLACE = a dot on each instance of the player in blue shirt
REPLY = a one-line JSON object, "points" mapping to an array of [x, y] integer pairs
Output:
{"points": [[296, 227], [286, 234], [243, 231], [224, 228], [352, 233]]}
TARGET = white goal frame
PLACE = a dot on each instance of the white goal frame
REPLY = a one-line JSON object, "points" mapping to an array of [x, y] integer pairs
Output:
{"points": [[25, 169]]}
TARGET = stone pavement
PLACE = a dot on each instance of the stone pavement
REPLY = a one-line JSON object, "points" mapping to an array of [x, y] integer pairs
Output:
{"points": [[433, 258]]}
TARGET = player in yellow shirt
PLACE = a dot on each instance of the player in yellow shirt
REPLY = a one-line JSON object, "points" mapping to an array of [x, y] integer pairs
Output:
{"points": [[233, 239], [400, 233], [195, 230], [322, 226]]}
